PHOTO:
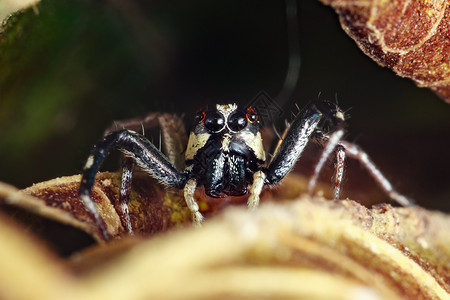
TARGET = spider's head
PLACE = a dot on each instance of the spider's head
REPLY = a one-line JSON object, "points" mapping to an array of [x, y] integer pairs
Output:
{"points": [[228, 123], [228, 118]]}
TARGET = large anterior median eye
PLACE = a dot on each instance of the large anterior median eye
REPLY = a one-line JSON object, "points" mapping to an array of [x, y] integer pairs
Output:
{"points": [[237, 121], [214, 121]]}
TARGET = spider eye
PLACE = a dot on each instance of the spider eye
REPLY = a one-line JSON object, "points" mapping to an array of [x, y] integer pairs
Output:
{"points": [[214, 121], [200, 116], [237, 121], [251, 115]]}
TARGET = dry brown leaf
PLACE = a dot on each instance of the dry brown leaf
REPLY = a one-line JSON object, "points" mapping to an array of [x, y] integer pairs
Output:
{"points": [[309, 248], [410, 37], [152, 207], [28, 270], [10, 6], [306, 248]]}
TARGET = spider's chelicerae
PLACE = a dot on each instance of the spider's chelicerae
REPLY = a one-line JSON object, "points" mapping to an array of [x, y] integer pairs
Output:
{"points": [[225, 154]]}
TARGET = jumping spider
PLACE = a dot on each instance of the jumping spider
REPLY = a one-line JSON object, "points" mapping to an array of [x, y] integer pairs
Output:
{"points": [[225, 154]]}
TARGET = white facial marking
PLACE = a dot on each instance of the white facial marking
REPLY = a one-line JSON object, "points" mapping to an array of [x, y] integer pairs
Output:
{"points": [[226, 109], [340, 115], [255, 143], [196, 142]]}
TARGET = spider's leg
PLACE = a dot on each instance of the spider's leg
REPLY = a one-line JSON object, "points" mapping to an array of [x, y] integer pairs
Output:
{"points": [[125, 190], [340, 160], [292, 143], [144, 153], [174, 141], [174, 137], [330, 141], [333, 140], [135, 124], [298, 134], [289, 149], [357, 153], [189, 190], [90, 207]]}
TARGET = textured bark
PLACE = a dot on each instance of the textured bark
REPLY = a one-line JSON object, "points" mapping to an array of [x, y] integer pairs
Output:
{"points": [[412, 38]]}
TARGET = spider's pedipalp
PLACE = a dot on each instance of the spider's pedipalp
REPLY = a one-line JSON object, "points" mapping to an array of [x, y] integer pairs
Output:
{"points": [[255, 190], [189, 190]]}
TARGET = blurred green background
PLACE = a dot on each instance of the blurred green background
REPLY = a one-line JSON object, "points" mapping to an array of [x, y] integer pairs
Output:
{"points": [[67, 72]]}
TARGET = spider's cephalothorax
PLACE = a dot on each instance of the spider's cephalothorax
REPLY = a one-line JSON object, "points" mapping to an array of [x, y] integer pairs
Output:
{"points": [[224, 154], [224, 150]]}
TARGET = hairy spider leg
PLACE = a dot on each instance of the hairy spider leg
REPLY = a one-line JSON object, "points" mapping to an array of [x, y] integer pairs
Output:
{"points": [[174, 137], [174, 140], [345, 148], [335, 116], [340, 160], [125, 191], [329, 147], [293, 142], [142, 151], [354, 151]]}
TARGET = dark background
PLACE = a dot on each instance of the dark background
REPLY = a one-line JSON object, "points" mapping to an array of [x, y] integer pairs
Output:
{"points": [[70, 70]]}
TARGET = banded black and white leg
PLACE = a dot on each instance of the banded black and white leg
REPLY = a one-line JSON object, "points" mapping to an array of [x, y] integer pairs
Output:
{"points": [[144, 154], [128, 166], [330, 144], [173, 139], [292, 144], [355, 152], [343, 149]]}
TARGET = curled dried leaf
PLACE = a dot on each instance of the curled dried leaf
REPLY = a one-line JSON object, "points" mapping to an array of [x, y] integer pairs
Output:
{"points": [[410, 37], [285, 249], [153, 208], [28, 270], [11, 6]]}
